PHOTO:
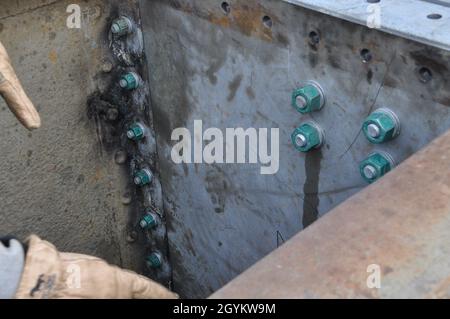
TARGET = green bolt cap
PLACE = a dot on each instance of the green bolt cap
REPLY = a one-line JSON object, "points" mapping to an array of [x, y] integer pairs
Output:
{"points": [[143, 177], [381, 126], [122, 26], [154, 260], [376, 166], [307, 137], [130, 81], [309, 98], [136, 132], [149, 221]]}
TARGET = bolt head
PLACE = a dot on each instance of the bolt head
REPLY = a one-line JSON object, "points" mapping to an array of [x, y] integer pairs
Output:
{"points": [[376, 166], [115, 28], [123, 83], [154, 261], [137, 180], [370, 172], [121, 26], [300, 140], [130, 81], [307, 137], [149, 221], [143, 177], [136, 132], [308, 98], [373, 130], [381, 126], [301, 102]]}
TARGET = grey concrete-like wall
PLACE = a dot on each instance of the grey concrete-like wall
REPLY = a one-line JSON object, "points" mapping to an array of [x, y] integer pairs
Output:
{"points": [[59, 182]]}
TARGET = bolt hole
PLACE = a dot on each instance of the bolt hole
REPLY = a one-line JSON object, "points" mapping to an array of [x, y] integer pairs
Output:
{"points": [[434, 16], [373, 1], [425, 75], [366, 55], [314, 38], [226, 8], [267, 22]]}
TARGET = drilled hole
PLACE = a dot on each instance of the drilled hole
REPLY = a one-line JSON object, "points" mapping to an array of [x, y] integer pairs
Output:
{"points": [[226, 8], [434, 16], [366, 55], [314, 38], [425, 75], [267, 22]]}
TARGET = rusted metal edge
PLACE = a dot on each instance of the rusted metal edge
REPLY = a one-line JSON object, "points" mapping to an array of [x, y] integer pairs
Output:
{"points": [[397, 228]]}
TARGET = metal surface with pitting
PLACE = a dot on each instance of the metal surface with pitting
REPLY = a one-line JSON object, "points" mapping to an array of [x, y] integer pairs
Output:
{"points": [[398, 225], [238, 68]]}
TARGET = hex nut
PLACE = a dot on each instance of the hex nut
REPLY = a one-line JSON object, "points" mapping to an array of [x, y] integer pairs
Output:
{"points": [[143, 177], [309, 98], [136, 132], [376, 166], [154, 260], [383, 121], [122, 26], [149, 221], [307, 137]]}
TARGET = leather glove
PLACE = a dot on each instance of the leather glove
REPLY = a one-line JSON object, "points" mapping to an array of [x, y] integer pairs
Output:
{"points": [[14, 95], [11, 266], [49, 274]]}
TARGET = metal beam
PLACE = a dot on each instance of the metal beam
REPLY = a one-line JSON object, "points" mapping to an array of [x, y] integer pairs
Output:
{"points": [[399, 224], [427, 22]]}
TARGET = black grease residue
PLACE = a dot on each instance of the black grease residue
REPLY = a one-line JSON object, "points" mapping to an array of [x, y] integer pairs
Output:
{"points": [[234, 86], [311, 188], [313, 59], [369, 76]]}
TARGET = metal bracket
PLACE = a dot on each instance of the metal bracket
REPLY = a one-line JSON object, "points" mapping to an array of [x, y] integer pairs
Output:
{"points": [[423, 21]]}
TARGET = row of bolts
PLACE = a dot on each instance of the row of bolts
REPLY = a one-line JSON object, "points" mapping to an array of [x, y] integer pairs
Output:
{"points": [[379, 127], [136, 132]]}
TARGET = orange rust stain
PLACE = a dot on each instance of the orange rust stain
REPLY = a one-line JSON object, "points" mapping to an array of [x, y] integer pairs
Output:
{"points": [[98, 175], [53, 56], [247, 18]]}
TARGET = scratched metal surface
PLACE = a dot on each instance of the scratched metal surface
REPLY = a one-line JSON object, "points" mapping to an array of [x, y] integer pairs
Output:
{"points": [[232, 71]]}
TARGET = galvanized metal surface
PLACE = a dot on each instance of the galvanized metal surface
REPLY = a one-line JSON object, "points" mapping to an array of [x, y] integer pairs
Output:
{"points": [[399, 224], [231, 69], [412, 19]]}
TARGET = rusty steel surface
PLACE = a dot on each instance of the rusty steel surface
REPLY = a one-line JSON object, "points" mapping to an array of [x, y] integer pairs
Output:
{"points": [[400, 223]]}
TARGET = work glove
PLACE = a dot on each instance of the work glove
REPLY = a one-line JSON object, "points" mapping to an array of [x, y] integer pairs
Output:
{"points": [[14, 95], [11, 266], [49, 274]]}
